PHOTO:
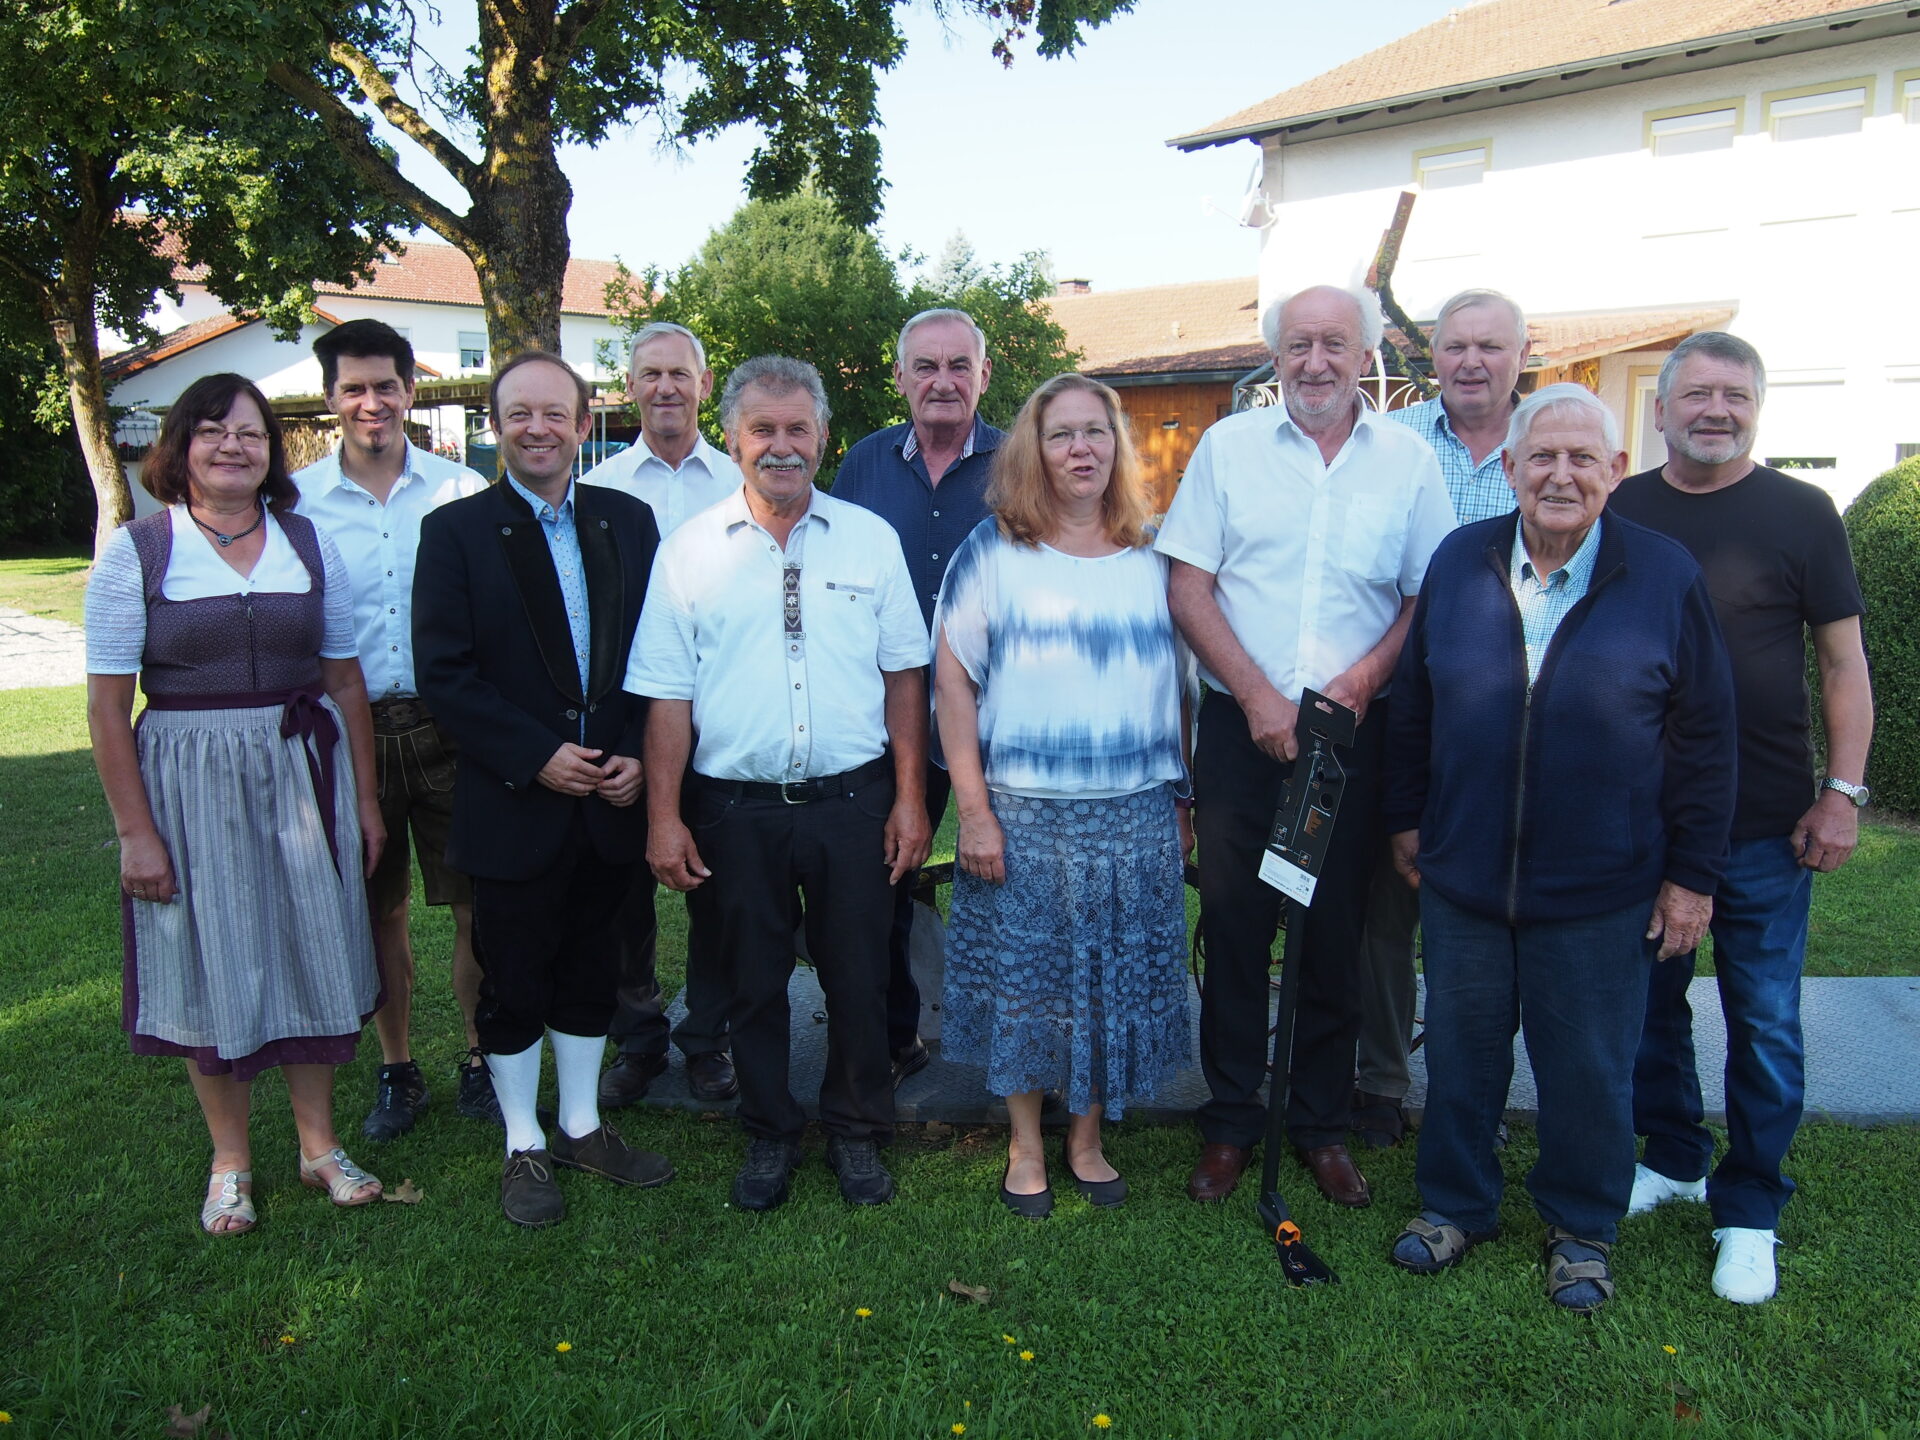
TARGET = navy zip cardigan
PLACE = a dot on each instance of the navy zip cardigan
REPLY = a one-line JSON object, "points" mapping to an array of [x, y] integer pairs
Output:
{"points": [[1612, 772]]}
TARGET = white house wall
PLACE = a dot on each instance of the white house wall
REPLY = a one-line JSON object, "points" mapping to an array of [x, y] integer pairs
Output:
{"points": [[1812, 240]]}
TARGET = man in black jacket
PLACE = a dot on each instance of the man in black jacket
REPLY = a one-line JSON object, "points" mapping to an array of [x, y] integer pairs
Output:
{"points": [[525, 603]]}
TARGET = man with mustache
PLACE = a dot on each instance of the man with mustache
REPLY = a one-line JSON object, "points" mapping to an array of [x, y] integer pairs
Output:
{"points": [[784, 661], [678, 474], [1299, 538], [926, 478], [1778, 566]]}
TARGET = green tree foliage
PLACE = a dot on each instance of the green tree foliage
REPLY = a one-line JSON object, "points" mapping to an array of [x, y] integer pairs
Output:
{"points": [[44, 495], [1884, 526], [138, 135], [552, 71], [791, 277]]}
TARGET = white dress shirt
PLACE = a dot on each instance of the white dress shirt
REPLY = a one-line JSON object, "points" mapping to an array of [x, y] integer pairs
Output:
{"points": [[779, 695], [378, 543], [1310, 560], [704, 479]]}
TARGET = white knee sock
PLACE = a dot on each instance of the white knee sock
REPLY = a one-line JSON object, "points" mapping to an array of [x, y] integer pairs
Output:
{"points": [[516, 1081], [576, 1061]]}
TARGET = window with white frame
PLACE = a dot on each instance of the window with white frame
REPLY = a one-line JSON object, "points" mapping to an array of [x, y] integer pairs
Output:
{"points": [[1443, 168], [1840, 111], [473, 349], [1683, 134], [1909, 98]]}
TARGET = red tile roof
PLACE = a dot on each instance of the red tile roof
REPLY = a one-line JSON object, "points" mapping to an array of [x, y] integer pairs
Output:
{"points": [[1563, 339], [115, 368], [1499, 41], [1162, 329], [441, 275]]}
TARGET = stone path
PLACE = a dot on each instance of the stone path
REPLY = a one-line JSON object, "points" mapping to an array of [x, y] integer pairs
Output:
{"points": [[37, 651]]}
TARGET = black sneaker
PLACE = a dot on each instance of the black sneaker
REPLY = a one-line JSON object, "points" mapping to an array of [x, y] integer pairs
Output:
{"points": [[476, 1100], [605, 1153], [762, 1181], [863, 1179], [398, 1098], [529, 1195]]}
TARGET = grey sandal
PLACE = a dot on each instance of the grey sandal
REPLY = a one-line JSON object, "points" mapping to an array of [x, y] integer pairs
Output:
{"points": [[1572, 1262], [229, 1204], [1445, 1244]]}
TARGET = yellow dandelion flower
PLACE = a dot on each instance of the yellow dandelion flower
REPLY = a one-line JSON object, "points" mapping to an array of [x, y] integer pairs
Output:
{"points": [[1103, 1422], [286, 1339], [967, 1403], [5, 1418], [1027, 1355], [1009, 1339], [862, 1313], [564, 1346], [1669, 1349], [958, 1428]]}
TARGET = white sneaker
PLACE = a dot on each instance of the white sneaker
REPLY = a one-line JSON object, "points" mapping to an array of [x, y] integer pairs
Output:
{"points": [[1651, 1188], [1744, 1272]]}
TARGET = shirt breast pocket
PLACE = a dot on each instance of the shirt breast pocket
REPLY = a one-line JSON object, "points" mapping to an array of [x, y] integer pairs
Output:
{"points": [[1373, 533], [839, 592]]}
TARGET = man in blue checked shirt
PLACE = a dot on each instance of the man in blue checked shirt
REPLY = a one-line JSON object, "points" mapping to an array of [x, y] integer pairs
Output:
{"points": [[1480, 346]]}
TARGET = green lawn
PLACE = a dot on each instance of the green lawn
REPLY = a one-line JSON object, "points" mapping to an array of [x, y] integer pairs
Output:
{"points": [[685, 1318], [46, 583]]}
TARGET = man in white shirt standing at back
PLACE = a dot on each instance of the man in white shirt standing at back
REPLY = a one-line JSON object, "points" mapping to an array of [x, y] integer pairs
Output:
{"points": [[678, 474], [369, 495]]}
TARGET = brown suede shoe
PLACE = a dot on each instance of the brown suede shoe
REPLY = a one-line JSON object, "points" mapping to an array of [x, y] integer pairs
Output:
{"points": [[1336, 1175], [1217, 1172]]}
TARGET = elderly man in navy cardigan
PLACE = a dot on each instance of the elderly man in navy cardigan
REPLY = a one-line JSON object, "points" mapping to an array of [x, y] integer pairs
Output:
{"points": [[1560, 786]]}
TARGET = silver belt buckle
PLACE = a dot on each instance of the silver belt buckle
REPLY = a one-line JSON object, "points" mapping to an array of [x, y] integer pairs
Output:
{"points": [[790, 799]]}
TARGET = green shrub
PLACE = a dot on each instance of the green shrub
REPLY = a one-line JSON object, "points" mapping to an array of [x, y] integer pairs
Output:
{"points": [[1884, 526]]}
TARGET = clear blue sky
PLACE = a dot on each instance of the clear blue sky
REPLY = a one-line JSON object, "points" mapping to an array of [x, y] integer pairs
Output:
{"points": [[1066, 156]]}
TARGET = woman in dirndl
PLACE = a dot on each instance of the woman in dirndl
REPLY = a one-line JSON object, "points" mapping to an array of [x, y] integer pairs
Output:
{"points": [[1062, 716], [244, 798]]}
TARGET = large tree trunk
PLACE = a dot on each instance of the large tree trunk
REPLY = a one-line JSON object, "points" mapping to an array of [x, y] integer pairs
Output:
{"points": [[76, 333], [519, 220]]}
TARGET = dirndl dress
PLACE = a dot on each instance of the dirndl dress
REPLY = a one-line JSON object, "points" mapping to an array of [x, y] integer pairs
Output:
{"points": [[1072, 974], [265, 957]]}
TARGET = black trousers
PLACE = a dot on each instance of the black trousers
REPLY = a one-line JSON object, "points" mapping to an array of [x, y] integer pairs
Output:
{"points": [[639, 1019], [903, 993], [767, 857], [546, 947], [1237, 787]]}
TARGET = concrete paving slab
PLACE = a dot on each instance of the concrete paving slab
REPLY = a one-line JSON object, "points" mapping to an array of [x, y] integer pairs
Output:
{"points": [[36, 651], [1862, 1036]]}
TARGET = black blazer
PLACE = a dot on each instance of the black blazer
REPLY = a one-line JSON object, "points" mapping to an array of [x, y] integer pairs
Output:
{"points": [[493, 659]]}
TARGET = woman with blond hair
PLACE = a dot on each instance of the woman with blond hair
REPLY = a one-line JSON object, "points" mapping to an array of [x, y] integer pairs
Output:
{"points": [[1062, 715]]}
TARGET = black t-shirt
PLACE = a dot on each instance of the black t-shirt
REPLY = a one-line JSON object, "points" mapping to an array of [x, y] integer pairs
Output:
{"points": [[1776, 561]]}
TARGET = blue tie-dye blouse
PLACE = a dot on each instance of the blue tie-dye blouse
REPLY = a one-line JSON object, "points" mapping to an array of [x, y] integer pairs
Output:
{"points": [[1078, 666]]}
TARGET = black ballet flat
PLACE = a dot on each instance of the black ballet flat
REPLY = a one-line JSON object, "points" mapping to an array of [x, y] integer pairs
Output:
{"points": [[1027, 1207], [1106, 1193]]}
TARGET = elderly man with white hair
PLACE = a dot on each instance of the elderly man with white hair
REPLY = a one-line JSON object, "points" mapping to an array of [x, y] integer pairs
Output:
{"points": [[1560, 786], [1298, 538]]}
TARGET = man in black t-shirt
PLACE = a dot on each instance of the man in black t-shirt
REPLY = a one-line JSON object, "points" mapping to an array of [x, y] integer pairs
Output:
{"points": [[1777, 564]]}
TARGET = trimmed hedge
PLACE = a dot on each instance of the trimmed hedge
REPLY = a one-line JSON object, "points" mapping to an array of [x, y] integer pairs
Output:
{"points": [[1884, 526]]}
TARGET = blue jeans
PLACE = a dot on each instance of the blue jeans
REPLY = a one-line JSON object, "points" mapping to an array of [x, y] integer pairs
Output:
{"points": [[1759, 941], [1579, 988]]}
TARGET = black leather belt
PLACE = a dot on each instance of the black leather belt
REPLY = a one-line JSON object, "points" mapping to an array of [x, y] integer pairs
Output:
{"points": [[400, 714], [799, 792]]}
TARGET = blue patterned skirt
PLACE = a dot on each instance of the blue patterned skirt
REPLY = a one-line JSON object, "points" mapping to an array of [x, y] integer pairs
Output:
{"points": [[1072, 975]]}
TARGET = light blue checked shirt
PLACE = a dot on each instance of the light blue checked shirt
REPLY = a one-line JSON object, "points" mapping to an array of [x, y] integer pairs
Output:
{"points": [[1478, 492], [563, 544], [1545, 603]]}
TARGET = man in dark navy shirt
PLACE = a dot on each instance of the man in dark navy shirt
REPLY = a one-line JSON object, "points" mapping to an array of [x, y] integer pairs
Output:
{"points": [[928, 479]]}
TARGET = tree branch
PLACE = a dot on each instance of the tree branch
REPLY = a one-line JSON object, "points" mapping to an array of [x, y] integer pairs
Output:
{"points": [[345, 127], [402, 116], [566, 32]]}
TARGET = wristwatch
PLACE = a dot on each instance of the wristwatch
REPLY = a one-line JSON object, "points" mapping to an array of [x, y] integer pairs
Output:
{"points": [[1856, 793]]}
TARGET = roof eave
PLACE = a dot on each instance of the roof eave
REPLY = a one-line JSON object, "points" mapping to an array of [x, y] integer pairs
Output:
{"points": [[1626, 60]]}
